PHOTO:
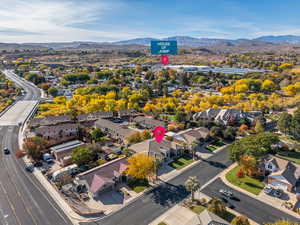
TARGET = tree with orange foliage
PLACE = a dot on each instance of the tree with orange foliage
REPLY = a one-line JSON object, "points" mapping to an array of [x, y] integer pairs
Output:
{"points": [[248, 165], [243, 127], [240, 173], [141, 166]]}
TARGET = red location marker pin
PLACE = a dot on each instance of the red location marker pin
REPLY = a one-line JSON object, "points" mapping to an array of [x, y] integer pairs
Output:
{"points": [[164, 60], [159, 133]]}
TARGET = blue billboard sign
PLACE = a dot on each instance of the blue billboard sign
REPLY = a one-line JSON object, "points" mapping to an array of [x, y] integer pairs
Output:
{"points": [[164, 47]]}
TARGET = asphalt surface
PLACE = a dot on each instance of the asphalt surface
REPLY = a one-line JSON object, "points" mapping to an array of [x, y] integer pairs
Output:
{"points": [[157, 201], [254, 209], [23, 200]]}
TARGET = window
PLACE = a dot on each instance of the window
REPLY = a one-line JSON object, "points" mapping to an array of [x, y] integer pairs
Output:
{"points": [[270, 166]]}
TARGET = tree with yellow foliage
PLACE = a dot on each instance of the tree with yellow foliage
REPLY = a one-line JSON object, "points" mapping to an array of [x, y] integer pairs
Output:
{"points": [[141, 166], [268, 86]]}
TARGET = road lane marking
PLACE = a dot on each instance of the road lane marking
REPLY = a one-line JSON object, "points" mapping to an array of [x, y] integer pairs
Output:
{"points": [[10, 204]]}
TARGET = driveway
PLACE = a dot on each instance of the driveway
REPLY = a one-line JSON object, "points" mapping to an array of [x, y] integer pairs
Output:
{"points": [[111, 198], [252, 208]]}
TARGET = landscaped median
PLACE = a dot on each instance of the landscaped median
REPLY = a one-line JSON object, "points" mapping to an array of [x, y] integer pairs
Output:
{"points": [[250, 184]]}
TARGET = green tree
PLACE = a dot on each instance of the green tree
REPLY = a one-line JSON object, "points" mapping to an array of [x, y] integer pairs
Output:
{"points": [[82, 155], [193, 147], [255, 145], [217, 207], [284, 122], [240, 220], [97, 134], [229, 133], [53, 91], [192, 184], [295, 125]]}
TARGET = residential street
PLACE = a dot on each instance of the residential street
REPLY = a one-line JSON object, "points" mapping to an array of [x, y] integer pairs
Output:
{"points": [[163, 197], [254, 209]]}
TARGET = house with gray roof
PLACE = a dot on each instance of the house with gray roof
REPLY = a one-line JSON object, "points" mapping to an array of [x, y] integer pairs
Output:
{"points": [[148, 122], [165, 151], [55, 133], [115, 130], [49, 121], [62, 152], [282, 173], [189, 136], [226, 116]]}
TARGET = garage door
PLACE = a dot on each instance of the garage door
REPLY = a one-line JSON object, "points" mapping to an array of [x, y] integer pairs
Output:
{"points": [[279, 185]]}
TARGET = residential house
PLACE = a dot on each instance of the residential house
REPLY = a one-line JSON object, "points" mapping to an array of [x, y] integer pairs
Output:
{"points": [[92, 117], [200, 134], [206, 218], [148, 122], [226, 116], [164, 151], [126, 114], [49, 121], [281, 173], [62, 153], [115, 130], [104, 177], [57, 133]]}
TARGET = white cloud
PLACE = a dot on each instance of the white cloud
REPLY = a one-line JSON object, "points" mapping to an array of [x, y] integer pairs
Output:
{"points": [[53, 20]]}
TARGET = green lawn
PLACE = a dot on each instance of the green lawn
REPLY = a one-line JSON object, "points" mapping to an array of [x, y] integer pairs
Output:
{"points": [[138, 185], [211, 148], [218, 143], [197, 208], [289, 155], [162, 223], [250, 184], [181, 162]]}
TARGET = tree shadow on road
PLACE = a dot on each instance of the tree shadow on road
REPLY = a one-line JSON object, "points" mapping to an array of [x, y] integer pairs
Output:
{"points": [[167, 194]]}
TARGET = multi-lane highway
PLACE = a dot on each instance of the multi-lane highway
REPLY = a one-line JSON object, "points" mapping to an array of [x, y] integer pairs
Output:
{"points": [[23, 200]]}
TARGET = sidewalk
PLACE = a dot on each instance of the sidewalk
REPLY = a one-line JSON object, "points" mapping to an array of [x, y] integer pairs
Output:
{"points": [[257, 197], [179, 215]]}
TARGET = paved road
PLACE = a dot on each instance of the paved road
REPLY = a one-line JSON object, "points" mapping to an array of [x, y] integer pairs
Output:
{"points": [[156, 202], [17, 113], [23, 200], [254, 209]]}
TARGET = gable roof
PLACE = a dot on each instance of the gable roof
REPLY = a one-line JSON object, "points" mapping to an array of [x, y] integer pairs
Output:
{"points": [[97, 177], [150, 146], [149, 122], [50, 120], [191, 135], [287, 169]]}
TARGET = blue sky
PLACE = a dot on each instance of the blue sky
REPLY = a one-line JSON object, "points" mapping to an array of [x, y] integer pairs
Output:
{"points": [[112, 20]]}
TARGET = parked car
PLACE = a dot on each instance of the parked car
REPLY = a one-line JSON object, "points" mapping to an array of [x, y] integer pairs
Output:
{"points": [[38, 164], [29, 168], [47, 158], [278, 193], [6, 151], [227, 193], [268, 189]]}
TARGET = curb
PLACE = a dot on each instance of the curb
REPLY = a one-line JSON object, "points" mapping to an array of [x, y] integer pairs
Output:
{"points": [[226, 182]]}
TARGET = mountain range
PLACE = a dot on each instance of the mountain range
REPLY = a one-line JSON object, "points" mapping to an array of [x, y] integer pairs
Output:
{"points": [[181, 41]]}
